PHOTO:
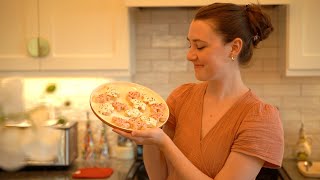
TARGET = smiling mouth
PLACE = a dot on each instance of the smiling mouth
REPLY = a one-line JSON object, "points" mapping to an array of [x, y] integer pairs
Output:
{"points": [[198, 66]]}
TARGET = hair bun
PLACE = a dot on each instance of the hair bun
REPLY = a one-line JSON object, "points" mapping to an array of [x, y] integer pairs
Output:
{"points": [[259, 22]]}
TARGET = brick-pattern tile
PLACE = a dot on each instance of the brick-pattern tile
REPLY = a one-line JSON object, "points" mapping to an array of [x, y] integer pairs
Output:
{"points": [[178, 54], [310, 90], [261, 78], [271, 52], [256, 65], [152, 29], [151, 78], [143, 41], [300, 102], [179, 29], [275, 101], [169, 66], [290, 115], [152, 53], [143, 15], [143, 66], [271, 65], [169, 15], [281, 90], [172, 41]]}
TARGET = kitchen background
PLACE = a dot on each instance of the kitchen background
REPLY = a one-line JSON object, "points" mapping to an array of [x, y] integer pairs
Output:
{"points": [[160, 64]]}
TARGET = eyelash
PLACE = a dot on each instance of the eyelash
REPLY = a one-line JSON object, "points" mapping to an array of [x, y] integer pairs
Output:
{"points": [[199, 48]]}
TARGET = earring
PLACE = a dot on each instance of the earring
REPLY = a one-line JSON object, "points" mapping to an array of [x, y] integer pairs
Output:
{"points": [[232, 58]]}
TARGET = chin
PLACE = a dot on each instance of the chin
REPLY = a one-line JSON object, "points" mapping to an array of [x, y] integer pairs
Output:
{"points": [[201, 78]]}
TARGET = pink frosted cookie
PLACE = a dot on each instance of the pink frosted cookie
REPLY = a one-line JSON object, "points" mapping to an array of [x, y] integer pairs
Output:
{"points": [[137, 123], [133, 95], [158, 116], [157, 108], [121, 122], [118, 106], [102, 98]]}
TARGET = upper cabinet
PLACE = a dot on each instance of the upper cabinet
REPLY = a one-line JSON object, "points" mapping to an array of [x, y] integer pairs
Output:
{"points": [[303, 38], [18, 22], [81, 34]]}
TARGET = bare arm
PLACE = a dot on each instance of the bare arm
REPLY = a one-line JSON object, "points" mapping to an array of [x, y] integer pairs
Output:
{"points": [[154, 159], [238, 165], [155, 162]]}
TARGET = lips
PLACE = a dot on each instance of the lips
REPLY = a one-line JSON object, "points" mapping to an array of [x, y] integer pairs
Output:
{"points": [[198, 66]]}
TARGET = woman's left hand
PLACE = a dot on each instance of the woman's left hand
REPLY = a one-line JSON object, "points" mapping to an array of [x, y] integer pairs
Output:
{"points": [[152, 136]]}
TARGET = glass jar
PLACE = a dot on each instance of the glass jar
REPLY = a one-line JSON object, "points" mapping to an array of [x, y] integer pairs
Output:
{"points": [[303, 146]]}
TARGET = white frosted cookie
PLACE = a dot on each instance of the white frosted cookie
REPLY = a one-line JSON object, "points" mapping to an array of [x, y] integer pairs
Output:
{"points": [[137, 104], [106, 109], [151, 122], [112, 92], [133, 112], [148, 99]]}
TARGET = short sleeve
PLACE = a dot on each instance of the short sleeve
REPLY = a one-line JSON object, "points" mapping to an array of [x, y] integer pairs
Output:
{"points": [[174, 103], [261, 135]]}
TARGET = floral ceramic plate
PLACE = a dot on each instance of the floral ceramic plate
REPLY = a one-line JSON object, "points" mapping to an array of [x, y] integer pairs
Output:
{"points": [[128, 106]]}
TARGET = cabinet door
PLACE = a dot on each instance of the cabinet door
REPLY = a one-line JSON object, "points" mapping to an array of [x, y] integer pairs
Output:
{"points": [[303, 38], [18, 24], [85, 34]]}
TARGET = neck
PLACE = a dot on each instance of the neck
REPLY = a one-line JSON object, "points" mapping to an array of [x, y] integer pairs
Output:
{"points": [[230, 86]]}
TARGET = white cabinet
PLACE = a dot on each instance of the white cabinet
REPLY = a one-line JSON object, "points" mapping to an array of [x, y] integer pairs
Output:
{"points": [[18, 24], [83, 34], [303, 57]]}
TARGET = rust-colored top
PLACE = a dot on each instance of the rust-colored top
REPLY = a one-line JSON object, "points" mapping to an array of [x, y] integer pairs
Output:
{"points": [[250, 126]]}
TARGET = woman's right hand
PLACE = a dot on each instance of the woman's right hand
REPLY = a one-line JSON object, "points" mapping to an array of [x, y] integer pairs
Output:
{"points": [[152, 136]]}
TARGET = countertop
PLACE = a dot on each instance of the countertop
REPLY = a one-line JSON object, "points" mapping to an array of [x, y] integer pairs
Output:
{"points": [[291, 172], [120, 167]]}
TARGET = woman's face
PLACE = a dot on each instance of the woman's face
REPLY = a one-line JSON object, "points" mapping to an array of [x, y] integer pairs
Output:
{"points": [[210, 56]]}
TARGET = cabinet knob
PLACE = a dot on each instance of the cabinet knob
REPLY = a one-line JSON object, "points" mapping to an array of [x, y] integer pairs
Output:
{"points": [[38, 47]]}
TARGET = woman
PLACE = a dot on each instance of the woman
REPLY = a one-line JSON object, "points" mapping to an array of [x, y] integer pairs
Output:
{"points": [[218, 129]]}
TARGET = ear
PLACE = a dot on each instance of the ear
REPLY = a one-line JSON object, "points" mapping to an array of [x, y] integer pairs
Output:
{"points": [[236, 46]]}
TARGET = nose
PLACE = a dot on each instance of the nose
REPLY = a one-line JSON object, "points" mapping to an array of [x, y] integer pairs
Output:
{"points": [[191, 55]]}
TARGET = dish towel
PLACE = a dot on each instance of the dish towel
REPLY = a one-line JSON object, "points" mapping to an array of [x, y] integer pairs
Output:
{"points": [[93, 172]]}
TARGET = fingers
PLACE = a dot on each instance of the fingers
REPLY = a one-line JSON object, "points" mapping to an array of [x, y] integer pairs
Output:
{"points": [[148, 133], [147, 136], [122, 133], [136, 139]]}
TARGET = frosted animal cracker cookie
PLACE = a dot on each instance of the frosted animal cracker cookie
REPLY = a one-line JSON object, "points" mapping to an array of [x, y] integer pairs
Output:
{"points": [[128, 106]]}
